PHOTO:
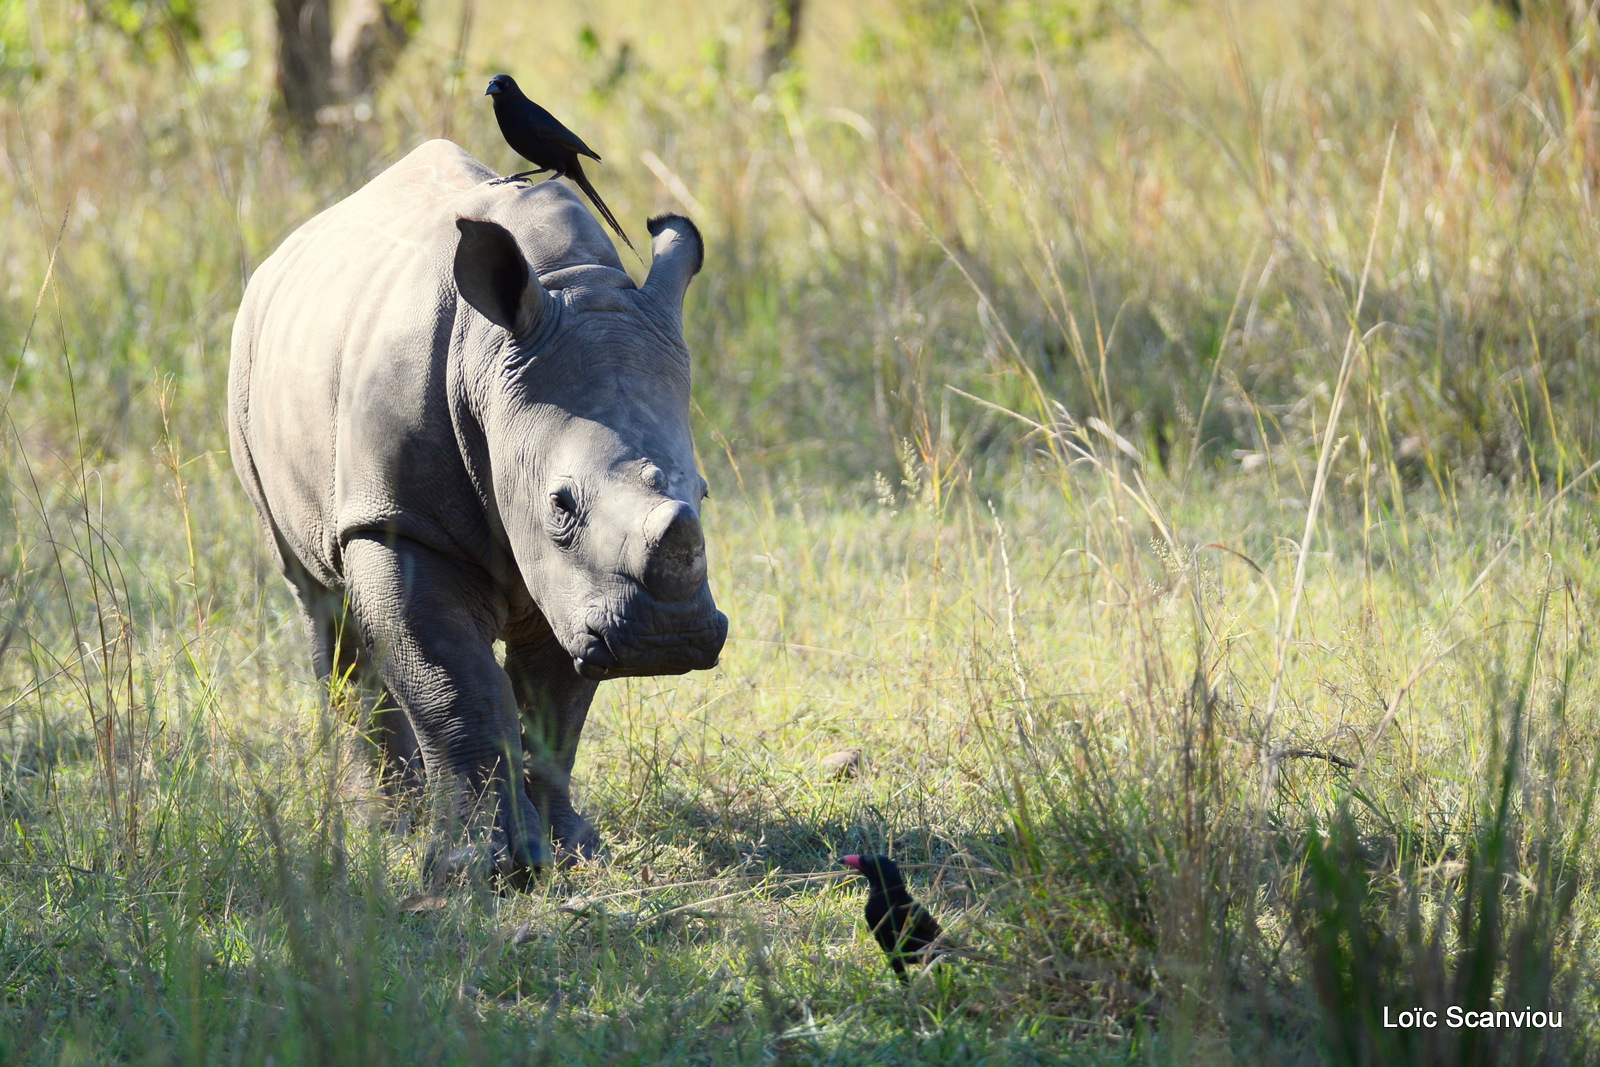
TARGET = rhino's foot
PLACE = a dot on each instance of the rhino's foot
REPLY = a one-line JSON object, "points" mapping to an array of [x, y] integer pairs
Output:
{"points": [[578, 842], [503, 859], [403, 805], [476, 863], [395, 818], [444, 863]]}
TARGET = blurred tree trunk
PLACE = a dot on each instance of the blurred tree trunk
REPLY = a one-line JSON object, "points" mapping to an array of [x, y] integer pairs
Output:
{"points": [[318, 69], [369, 43], [305, 59], [781, 35]]}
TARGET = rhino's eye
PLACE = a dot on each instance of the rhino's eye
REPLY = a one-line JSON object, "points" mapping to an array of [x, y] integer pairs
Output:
{"points": [[562, 521]]}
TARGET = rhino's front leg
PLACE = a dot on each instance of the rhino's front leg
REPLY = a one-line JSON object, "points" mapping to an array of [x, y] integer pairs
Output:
{"points": [[430, 622], [554, 700]]}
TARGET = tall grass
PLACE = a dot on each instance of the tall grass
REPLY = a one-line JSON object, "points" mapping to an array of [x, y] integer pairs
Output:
{"points": [[1158, 436]]}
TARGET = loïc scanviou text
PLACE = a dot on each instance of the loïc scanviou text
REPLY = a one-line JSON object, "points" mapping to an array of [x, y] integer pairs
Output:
{"points": [[1459, 1018]]}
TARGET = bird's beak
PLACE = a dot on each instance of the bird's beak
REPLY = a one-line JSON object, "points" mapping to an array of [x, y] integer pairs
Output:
{"points": [[493, 88], [851, 861]]}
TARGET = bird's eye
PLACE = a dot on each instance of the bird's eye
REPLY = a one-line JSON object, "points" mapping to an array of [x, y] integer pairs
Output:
{"points": [[562, 521]]}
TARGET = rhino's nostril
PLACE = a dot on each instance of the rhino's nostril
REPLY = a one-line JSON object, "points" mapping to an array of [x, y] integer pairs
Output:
{"points": [[675, 551]]}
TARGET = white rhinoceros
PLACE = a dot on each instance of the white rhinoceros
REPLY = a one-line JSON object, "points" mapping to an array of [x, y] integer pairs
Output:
{"points": [[462, 422]]}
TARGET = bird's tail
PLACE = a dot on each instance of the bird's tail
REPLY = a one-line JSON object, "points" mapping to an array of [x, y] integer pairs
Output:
{"points": [[577, 175]]}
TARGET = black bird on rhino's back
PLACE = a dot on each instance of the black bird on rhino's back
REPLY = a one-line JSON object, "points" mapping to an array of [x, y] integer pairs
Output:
{"points": [[906, 931], [538, 136]]}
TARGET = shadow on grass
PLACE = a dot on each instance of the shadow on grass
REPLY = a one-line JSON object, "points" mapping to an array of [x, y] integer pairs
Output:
{"points": [[755, 837]]}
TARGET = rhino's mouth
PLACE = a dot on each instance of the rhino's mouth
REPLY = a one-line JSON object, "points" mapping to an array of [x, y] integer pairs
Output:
{"points": [[612, 647]]}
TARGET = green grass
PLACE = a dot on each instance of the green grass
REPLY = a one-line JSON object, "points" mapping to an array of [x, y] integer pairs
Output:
{"points": [[1015, 358]]}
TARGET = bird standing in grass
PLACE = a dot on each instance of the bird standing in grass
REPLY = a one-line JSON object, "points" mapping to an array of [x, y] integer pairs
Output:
{"points": [[537, 136], [904, 928]]}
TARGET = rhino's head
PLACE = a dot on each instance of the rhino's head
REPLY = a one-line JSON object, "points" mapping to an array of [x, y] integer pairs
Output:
{"points": [[583, 395]]}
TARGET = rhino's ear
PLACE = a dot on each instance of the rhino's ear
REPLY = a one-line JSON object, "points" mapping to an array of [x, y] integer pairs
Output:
{"points": [[676, 255], [492, 276]]}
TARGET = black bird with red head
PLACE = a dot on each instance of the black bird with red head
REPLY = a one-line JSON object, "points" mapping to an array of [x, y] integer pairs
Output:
{"points": [[906, 931]]}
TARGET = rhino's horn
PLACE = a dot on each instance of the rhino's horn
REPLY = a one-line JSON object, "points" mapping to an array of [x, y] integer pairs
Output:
{"points": [[492, 277], [676, 255]]}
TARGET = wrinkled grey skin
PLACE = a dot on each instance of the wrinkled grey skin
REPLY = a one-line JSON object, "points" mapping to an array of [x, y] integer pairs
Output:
{"points": [[438, 471]]}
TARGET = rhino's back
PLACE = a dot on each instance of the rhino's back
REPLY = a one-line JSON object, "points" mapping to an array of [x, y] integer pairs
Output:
{"points": [[338, 407]]}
